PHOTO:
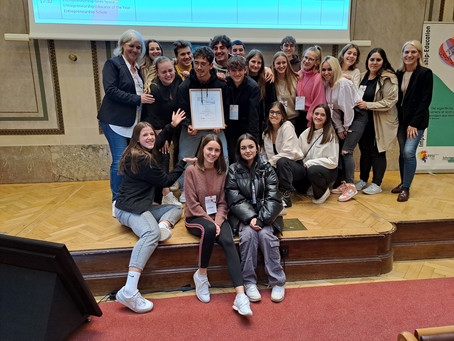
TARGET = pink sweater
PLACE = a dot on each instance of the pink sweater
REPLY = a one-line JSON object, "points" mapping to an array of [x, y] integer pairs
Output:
{"points": [[197, 186], [312, 88]]}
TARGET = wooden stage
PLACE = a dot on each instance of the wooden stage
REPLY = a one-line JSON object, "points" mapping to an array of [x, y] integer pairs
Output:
{"points": [[361, 237]]}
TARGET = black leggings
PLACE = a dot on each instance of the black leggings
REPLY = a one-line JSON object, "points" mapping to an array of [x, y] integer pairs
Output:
{"points": [[206, 230]]}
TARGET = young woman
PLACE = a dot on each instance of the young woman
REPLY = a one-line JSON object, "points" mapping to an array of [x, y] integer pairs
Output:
{"points": [[320, 149], [134, 208], [164, 90], [349, 59], [205, 216], [415, 95], [380, 92], [342, 96], [153, 51], [255, 203], [310, 89], [285, 81], [280, 144]]}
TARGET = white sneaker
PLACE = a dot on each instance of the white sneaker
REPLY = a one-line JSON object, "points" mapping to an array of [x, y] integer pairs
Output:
{"points": [[372, 189], [201, 287], [166, 233], [113, 209], [277, 293], [323, 198], [136, 302], [360, 185], [182, 198], [241, 305], [349, 192], [170, 199], [175, 186], [252, 292]]}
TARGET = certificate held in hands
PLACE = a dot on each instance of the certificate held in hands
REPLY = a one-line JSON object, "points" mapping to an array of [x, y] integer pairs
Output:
{"points": [[207, 110]]}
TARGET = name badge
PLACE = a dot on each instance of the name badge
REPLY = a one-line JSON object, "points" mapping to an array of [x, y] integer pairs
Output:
{"points": [[210, 205], [361, 90], [233, 114], [300, 103]]}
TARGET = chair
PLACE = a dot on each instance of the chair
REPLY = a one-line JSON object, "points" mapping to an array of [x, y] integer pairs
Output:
{"points": [[429, 334]]}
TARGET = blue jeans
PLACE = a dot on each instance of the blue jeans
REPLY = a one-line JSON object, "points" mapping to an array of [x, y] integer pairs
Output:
{"points": [[117, 144], [407, 155], [146, 227], [189, 145]]}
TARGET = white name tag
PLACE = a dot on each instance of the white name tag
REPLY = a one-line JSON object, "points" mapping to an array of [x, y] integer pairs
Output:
{"points": [[300, 103], [210, 204], [233, 115]]}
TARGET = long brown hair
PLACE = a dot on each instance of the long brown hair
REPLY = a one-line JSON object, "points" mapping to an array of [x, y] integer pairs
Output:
{"points": [[261, 74], [134, 150], [269, 127], [291, 77], [328, 130], [219, 164]]}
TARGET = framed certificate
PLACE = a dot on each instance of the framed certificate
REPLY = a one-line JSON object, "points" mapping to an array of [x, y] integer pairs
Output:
{"points": [[207, 109]]}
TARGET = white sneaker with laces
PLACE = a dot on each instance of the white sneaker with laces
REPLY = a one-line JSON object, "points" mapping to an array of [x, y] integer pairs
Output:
{"points": [[360, 185], [136, 302], [252, 292], [323, 198], [166, 233], [372, 189], [182, 198], [201, 287], [349, 192], [242, 305], [277, 293], [170, 199]]}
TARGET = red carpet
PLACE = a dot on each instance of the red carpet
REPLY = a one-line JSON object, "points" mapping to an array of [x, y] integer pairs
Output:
{"points": [[362, 312]]}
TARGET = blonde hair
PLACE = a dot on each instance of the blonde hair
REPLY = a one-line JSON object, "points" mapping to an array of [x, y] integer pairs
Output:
{"points": [[335, 66], [417, 44]]}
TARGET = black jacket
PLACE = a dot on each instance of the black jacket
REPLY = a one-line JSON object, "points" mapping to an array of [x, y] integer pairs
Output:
{"points": [[120, 101], [138, 191], [238, 192], [413, 108], [247, 97], [192, 82]]}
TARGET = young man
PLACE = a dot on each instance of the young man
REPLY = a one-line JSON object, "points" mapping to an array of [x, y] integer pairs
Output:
{"points": [[238, 48], [288, 45], [183, 55], [221, 46], [244, 98], [201, 77]]}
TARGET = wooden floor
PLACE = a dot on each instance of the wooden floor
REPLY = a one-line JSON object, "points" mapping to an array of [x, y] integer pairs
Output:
{"points": [[78, 214]]}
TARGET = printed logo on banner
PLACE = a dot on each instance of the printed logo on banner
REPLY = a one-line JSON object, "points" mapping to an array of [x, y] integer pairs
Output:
{"points": [[447, 52]]}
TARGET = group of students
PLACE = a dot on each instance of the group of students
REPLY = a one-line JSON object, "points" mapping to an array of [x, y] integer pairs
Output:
{"points": [[286, 130]]}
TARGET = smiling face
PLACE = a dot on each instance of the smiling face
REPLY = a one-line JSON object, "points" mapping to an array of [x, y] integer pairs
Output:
{"points": [[309, 60], [327, 72], [410, 57], [238, 50], [221, 53], [280, 65], [289, 49], [375, 63], [255, 64], [349, 58], [154, 51], [184, 57], [202, 69], [147, 138], [275, 116], [166, 72], [211, 153], [237, 75], [131, 51], [319, 118], [248, 151]]}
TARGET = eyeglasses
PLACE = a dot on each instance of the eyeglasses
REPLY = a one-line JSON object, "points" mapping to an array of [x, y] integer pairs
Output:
{"points": [[275, 113], [309, 59]]}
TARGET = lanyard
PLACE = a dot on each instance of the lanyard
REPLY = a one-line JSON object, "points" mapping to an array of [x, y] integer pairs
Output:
{"points": [[210, 190]]}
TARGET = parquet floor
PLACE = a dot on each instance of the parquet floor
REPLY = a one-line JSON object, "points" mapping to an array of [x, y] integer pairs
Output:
{"points": [[78, 214]]}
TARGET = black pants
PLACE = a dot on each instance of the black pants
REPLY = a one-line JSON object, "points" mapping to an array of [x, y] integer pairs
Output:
{"points": [[206, 230], [294, 176], [370, 156]]}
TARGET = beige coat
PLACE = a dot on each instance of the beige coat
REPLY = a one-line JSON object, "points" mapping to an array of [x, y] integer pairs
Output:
{"points": [[385, 111]]}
